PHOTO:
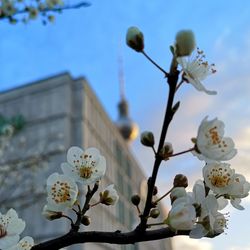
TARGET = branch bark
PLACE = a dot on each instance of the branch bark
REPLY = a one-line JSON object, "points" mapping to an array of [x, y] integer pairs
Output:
{"points": [[172, 82], [116, 237]]}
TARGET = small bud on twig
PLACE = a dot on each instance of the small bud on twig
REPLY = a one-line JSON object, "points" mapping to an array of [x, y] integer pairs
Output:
{"points": [[51, 215], [109, 196], [180, 180], [185, 43], [147, 139], [177, 193], [176, 107], [166, 151], [135, 39], [135, 199], [85, 220], [155, 191], [154, 213]]}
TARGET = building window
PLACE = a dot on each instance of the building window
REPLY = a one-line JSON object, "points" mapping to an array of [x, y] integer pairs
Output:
{"points": [[120, 182], [118, 153], [128, 167], [121, 212]]}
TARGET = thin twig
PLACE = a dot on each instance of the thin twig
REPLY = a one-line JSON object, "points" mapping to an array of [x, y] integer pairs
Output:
{"points": [[154, 150], [182, 152], [75, 227], [67, 217], [179, 84], [56, 9], [172, 82], [152, 61], [164, 195]]}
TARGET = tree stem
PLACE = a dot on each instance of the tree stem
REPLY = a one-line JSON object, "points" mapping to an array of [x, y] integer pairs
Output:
{"points": [[164, 195], [172, 82], [116, 237], [183, 152], [155, 64]]}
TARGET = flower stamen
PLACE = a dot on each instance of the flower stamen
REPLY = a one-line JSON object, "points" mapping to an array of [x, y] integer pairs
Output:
{"points": [[85, 172], [3, 231]]}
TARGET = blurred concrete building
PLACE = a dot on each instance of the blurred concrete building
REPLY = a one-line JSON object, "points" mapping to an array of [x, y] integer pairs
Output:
{"points": [[68, 107]]}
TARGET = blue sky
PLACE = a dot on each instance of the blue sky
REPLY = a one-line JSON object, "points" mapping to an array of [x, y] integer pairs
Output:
{"points": [[87, 42]]}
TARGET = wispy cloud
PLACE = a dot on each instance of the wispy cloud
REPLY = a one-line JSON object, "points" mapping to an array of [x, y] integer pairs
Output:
{"points": [[240, 248], [182, 242]]}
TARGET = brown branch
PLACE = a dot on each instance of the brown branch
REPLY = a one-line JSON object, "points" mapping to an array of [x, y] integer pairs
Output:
{"points": [[56, 9], [81, 213], [116, 237], [157, 65], [172, 82]]}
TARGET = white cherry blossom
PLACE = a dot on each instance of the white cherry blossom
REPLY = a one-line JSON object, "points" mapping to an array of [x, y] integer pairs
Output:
{"points": [[240, 187], [195, 70], [25, 243], [62, 192], [182, 215], [211, 143], [86, 166], [10, 228], [223, 180], [177, 192], [219, 177], [210, 221], [109, 196]]}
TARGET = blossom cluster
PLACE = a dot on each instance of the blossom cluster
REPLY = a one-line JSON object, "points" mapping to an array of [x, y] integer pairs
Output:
{"points": [[82, 167], [28, 10], [11, 226], [198, 210]]}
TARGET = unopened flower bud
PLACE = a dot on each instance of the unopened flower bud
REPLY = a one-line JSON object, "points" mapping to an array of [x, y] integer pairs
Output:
{"points": [[194, 140], [166, 151], [85, 220], [154, 213], [7, 130], [155, 190], [177, 192], [180, 180], [184, 42], [135, 39], [147, 139], [135, 199], [51, 18], [51, 215], [109, 196]]}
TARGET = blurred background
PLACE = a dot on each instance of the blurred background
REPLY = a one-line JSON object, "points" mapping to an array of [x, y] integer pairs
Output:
{"points": [[88, 42]]}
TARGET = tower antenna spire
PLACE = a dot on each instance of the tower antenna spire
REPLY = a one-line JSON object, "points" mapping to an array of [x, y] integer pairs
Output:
{"points": [[126, 126], [121, 76]]}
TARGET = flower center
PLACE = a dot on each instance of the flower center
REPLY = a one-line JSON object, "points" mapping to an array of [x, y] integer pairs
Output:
{"points": [[3, 231], [85, 172], [219, 181], [60, 192], [25, 245], [85, 166], [216, 139], [219, 177], [222, 222], [214, 136]]}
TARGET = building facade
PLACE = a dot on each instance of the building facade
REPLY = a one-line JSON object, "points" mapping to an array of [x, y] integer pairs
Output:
{"points": [[68, 107]]}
